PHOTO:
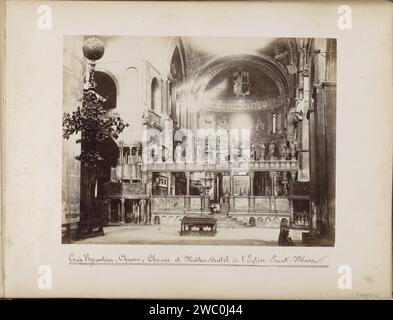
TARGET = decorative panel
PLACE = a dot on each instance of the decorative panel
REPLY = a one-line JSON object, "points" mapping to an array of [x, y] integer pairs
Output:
{"points": [[133, 188], [159, 203], [262, 204], [195, 203], [282, 204], [241, 204], [175, 203]]}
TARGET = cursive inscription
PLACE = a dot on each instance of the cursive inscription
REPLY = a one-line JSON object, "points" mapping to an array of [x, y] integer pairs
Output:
{"points": [[245, 260]]}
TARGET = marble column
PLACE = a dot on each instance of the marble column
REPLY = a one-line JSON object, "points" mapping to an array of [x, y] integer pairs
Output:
{"points": [[304, 148], [118, 211], [251, 201], [188, 183], [149, 180], [148, 208], [285, 183], [251, 175], [139, 211], [217, 181], [187, 197], [122, 212], [231, 184], [291, 209], [109, 211], [121, 157], [231, 202], [134, 212], [144, 211], [273, 177], [169, 176]]}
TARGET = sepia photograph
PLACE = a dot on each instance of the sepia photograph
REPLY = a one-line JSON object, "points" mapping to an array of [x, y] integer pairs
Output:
{"points": [[213, 150], [199, 140]]}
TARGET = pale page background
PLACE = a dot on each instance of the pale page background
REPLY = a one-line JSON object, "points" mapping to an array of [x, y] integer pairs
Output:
{"points": [[2, 145], [33, 154]]}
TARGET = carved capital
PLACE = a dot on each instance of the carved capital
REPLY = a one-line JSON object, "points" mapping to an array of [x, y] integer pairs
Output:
{"points": [[273, 174]]}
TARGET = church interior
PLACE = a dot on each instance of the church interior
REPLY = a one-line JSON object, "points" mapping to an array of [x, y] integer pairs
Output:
{"points": [[238, 129]]}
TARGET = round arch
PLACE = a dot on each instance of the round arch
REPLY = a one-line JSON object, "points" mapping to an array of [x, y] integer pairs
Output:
{"points": [[263, 63], [155, 101], [107, 87]]}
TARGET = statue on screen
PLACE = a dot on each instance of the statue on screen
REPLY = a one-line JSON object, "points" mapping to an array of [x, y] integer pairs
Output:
{"points": [[260, 152], [259, 127], [282, 150], [291, 125], [253, 152], [272, 148], [222, 123], [293, 149]]}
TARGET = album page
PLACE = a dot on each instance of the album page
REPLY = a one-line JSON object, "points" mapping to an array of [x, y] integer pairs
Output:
{"points": [[210, 150]]}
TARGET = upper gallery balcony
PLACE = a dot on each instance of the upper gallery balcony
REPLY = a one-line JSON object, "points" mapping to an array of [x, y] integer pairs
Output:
{"points": [[128, 172], [124, 190], [242, 106], [152, 119], [239, 166]]}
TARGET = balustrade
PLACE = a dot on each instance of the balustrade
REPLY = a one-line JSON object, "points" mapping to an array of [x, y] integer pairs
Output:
{"points": [[245, 106], [263, 165], [118, 190], [152, 119], [239, 204]]}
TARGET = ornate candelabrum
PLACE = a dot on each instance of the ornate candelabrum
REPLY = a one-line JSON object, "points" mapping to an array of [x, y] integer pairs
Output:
{"points": [[206, 185], [93, 49]]}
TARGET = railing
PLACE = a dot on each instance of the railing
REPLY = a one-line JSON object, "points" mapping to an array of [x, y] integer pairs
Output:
{"points": [[246, 106], [237, 204], [152, 119], [118, 189], [126, 171], [242, 166], [168, 203], [259, 204]]}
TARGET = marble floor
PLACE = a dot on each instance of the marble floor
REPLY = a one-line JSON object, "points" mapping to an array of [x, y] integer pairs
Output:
{"points": [[165, 234]]}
